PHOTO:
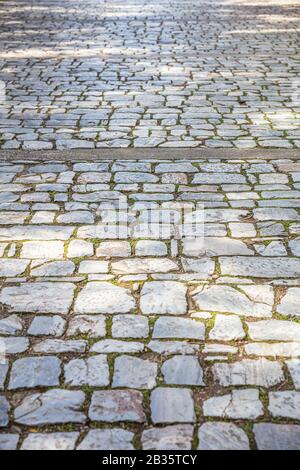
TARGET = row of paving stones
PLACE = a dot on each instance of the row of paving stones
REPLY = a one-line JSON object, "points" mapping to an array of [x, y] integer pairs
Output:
{"points": [[156, 74], [156, 342]]}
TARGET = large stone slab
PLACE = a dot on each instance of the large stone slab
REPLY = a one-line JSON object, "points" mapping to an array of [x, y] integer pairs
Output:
{"points": [[172, 405], [274, 330], [163, 298], [104, 297], [261, 267], [261, 372], [117, 405], [289, 305], [144, 265], [182, 370], [213, 246], [103, 439], [239, 404], [285, 404], [186, 328], [50, 441], [30, 372], [222, 436], [269, 436], [133, 372], [176, 437]]}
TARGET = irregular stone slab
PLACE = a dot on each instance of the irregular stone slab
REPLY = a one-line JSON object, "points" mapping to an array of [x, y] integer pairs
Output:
{"points": [[284, 404], [218, 178], [172, 405], [227, 328], [274, 330], [114, 345], [272, 249], [4, 412], [103, 439], [42, 250], [133, 372], [60, 346], [182, 370], [176, 437], [260, 267], [130, 326], [53, 268], [79, 248], [114, 249], [36, 232], [289, 304], [47, 326], [150, 248], [12, 267], [162, 298], [30, 372], [186, 328], [173, 347], [204, 266], [273, 349], [227, 299], [213, 246], [54, 406], [224, 215], [239, 404], [93, 371], [143, 265], [44, 297], [104, 297], [222, 436], [117, 405], [269, 436], [259, 372], [9, 441], [294, 370], [91, 325], [10, 325], [4, 365], [275, 213], [50, 441]]}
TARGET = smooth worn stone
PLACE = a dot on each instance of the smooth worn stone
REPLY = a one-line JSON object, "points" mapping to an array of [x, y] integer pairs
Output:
{"points": [[143, 265], [186, 328], [176, 437], [172, 405], [173, 347], [103, 439], [92, 371], [42, 249], [222, 436], [114, 249], [51, 407], [260, 267], [93, 266], [287, 349], [117, 405], [294, 370], [284, 404], [13, 217], [9, 441], [13, 344], [162, 298], [150, 248], [50, 441], [182, 370], [261, 372], [91, 325], [227, 328], [4, 411], [76, 217], [47, 326], [36, 232], [239, 404], [128, 177], [30, 372], [43, 297], [60, 346], [185, 167], [212, 246], [117, 346], [294, 246], [4, 366], [130, 326], [12, 267], [79, 248], [218, 178], [10, 325], [133, 372], [52, 268], [289, 304], [104, 297], [272, 213], [269, 436], [274, 330], [256, 301], [204, 266]]}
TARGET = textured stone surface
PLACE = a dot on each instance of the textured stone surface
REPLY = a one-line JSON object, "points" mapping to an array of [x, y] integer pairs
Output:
{"points": [[227, 328], [50, 441], [33, 372], [177, 437], [171, 405], [117, 405], [163, 298], [243, 404], [222, 436], [103, 439], [169, 327], [182, 370], [92, 371], [261, 372], [270, 436], [285, 404], [133, 372], [104, 297]]}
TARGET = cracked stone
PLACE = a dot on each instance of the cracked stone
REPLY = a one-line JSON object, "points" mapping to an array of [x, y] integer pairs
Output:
{"points": [[92, 325], [4, 411], [294, 370], [143, 265], [239, 404], [10, 325], [9, 441], [289, 304]]}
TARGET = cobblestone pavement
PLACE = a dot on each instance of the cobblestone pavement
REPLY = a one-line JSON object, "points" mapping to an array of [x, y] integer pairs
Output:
{"points": [[95, 73], [150, 342]]}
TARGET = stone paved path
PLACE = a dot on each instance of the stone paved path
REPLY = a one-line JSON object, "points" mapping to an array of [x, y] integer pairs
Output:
{"points": [[95, 73], [147, 342]]}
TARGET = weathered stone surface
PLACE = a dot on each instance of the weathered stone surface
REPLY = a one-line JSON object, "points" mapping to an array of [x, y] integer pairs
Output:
{"points": [[173, 347], [10, 325], [274, 330], [239, 404], [79, 248], [260, 267], [144, 265], [261, 372], [133, 372], [294, 370], [285, 404], [117, 405], [60, 346], [150, 248], [9, 441], [162, 298], [172, 405], [103, 439], [117, 346], [91, 325], [92, 371], [227, 328], [222, 436], [30, 372], [36, 232], [4, 411], [114, 249], [104, 297], [176, 437], [50, 441], [44, 297], [130, 326], [204, 266], [12, 267], [53, 268], [289, 304], [54, 406], [47, 326], [287, 349], [270, 436], [182, 370], [13, 345], [213, 246], [43, 249], [169, 327]]}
